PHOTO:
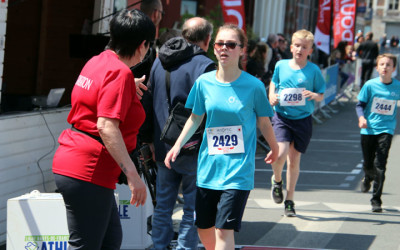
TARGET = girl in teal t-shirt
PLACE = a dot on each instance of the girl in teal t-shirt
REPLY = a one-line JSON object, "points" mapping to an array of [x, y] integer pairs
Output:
{"points": [[235, 104]]}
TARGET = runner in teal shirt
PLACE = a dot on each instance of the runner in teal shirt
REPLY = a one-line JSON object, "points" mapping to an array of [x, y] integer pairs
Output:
{"points": [[235, 104], [376, 112]]}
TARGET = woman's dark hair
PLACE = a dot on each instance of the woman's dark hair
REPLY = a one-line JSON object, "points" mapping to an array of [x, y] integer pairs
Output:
{"points": [[128, 29], [166, 35], [261, 51], [251, 46]]}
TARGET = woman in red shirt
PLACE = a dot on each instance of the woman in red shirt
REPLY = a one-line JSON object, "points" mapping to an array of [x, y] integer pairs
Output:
{"points": [[106, 115]]}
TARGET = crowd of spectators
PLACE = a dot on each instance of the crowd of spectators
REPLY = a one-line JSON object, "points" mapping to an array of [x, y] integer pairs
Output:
{"points": [[168, 69], [263, 54]]}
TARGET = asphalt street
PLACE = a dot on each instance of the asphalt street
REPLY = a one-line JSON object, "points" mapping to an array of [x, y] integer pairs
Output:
{"points": [[332, 213]]}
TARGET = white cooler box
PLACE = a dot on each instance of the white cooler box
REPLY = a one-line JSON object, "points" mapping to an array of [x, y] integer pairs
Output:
{"points": [[135, 221], [38, 221]]}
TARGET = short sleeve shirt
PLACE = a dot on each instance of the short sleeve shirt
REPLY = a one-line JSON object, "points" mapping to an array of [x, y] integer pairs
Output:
{"points": [[238, 103], [380, 111], [105, 88], [308, 78]]}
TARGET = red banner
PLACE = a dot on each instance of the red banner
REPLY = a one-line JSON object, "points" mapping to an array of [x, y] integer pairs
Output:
{"points": [[344, 20], [323, 29], [233, 12]]}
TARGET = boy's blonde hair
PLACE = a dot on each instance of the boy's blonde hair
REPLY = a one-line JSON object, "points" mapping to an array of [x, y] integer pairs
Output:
{"points": [[303, 34], [388, 55]]}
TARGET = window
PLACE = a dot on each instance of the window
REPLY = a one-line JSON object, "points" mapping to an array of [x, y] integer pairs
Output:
{"points": [[393, 4], [370, 4]]}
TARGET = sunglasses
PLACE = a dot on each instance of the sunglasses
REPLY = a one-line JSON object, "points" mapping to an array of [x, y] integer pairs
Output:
{"points": [[229, 45]]}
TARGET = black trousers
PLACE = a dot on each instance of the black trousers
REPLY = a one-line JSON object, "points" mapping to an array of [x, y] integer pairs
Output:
{"points": [[366, 72], [375, 150], [92, 214]]}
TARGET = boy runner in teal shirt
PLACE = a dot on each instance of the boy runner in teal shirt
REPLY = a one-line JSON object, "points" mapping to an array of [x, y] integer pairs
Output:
{"points": [[376, 112], [295, 86]]}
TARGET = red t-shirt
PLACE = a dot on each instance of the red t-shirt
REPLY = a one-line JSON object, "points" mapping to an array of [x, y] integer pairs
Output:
{"points": [[105, 88]]}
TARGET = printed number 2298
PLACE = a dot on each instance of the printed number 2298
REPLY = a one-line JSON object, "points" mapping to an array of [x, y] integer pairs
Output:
{"points": [[225, 141], [293, 97]]}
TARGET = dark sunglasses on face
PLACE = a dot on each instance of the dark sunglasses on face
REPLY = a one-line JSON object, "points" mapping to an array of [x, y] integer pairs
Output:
{"points": [[229, 45]]}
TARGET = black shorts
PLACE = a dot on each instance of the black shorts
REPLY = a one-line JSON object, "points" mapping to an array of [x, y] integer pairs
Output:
{"points": [[220, 208], [297, 131]]}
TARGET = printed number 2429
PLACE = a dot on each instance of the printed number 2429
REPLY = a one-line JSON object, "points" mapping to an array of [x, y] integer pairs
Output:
{"points": [[225, 141]]}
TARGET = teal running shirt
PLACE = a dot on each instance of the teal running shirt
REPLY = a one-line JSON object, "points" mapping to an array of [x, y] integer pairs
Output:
{"points": [[238, 104], [381, 100], [285, 78]]}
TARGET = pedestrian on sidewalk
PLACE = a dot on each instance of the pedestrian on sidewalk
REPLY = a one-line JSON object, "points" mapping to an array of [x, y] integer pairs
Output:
{"points": [[376, 112], [295, 86], [255, 64], [181, 61], [105, 116], [235, 103], [367, 51]]}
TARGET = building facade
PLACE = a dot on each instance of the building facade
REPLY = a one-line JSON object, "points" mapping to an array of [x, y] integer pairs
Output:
{"points": [[379, 16]]}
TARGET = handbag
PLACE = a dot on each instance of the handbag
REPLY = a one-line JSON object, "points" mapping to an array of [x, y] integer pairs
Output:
{"points": [[177, 118]]}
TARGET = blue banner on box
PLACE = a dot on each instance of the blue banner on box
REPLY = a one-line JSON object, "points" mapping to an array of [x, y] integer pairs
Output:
{"points": [[331, 77]]}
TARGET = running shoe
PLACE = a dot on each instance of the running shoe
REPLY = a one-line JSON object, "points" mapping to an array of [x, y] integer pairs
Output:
{"points": [[376, 207], [276, 191], [289, 209], [365, 185]]}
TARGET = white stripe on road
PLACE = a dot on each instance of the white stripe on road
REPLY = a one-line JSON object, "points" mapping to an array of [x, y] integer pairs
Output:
{"points": [[354, 171], [344, 185], [356, 208], [333, 207], [300, 232], [334, 151], [333, 140]]}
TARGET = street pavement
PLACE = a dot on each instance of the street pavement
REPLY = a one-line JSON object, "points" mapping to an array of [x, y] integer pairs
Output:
{"points": [[332, 213]]}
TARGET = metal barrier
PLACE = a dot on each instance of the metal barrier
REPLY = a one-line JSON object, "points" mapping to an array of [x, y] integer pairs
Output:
{"points": [[339, 84]]}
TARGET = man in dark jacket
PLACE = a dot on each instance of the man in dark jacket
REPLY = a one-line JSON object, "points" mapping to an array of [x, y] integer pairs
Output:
{"points": [[282, 48], [272, 57], [367, 51], [185, 58], [154, 10]]}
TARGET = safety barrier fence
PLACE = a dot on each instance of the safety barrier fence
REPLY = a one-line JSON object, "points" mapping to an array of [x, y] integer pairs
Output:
{"points": [[340, 83]]}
